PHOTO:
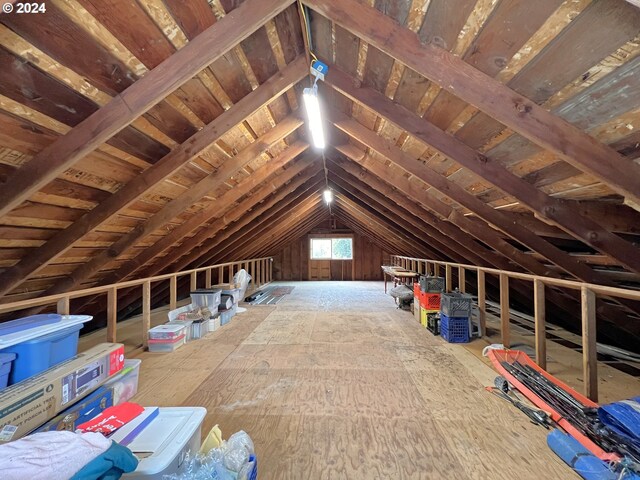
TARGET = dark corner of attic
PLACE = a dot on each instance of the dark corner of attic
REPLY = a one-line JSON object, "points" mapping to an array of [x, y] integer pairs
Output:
{"points": [[247, 239]]}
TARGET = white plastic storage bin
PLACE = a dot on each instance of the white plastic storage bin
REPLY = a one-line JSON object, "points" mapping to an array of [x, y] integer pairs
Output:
{"points": [[166, 346], [125, 383], [163, 445]]}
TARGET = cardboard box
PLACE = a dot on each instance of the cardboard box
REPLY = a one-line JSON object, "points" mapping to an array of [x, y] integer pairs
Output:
{"points": [[30, 403]]}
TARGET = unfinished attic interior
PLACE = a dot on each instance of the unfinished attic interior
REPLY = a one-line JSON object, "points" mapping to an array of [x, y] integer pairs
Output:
{"points": [[384, 238]]}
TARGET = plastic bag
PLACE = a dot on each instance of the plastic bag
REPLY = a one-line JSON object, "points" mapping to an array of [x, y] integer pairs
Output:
{"points": [[231, 460]]}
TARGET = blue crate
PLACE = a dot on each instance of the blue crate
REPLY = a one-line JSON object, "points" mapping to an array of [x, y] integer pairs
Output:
{"points": [[454, 329]]}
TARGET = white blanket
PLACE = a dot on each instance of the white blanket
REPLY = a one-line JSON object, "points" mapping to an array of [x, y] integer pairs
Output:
{"points": [[50, 455]]}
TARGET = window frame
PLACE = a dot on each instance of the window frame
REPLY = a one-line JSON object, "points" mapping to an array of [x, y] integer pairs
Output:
{"points": [[330, 237]]}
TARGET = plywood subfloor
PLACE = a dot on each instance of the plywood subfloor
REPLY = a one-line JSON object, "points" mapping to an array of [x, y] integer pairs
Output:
{"points": [[335, 382]]}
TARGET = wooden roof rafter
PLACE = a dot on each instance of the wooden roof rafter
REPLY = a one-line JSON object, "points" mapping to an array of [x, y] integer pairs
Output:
{"points": [[162, 170], [471, 85], [138, 98], [561, 214]]}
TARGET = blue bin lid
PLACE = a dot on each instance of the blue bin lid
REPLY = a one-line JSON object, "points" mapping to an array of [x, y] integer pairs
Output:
{"points": [[7, 357], [27, 323]]}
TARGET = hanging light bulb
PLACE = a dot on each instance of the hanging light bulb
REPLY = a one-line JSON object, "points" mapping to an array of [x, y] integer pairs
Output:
{"points": [[328, 196], [312, 105]]}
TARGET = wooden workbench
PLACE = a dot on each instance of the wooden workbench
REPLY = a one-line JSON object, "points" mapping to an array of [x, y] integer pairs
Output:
{"points": [[398, 274]]}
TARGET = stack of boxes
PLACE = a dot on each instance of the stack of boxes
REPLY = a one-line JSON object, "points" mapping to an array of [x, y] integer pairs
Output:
{"points": [[455, 315], [431, 289]]}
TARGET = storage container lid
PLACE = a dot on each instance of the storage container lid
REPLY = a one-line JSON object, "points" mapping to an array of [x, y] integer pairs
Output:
{"points": [[205, 291], [26, 323], [167, 328], [7, 357], [165, 438], [67, 321]]}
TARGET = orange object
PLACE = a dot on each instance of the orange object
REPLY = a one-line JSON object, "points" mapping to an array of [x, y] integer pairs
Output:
{"points": [[416, 290], [430, 301], [511, 356]]}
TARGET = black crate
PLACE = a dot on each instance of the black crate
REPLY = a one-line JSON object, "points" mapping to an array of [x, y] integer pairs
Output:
{"points": [[456, 304], [430, 284], [433, 323]]}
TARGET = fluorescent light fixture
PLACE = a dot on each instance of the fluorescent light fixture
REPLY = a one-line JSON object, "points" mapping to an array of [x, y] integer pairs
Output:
{"points": [[328, 195], [312, 105]]}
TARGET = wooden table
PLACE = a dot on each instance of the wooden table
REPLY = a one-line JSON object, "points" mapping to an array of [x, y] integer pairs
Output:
{"points": [[399, 275]]}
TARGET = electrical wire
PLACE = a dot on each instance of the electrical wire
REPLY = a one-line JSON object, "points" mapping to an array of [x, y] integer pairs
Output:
{"points": [[326, 179], [303, 11]]}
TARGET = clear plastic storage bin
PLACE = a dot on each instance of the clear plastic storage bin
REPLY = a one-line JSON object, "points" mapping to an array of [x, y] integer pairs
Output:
{"points": [[166, 346], [125, 383]]}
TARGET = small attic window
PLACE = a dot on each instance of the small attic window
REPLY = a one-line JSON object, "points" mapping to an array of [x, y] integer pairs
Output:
{"points": [[332, 248]]}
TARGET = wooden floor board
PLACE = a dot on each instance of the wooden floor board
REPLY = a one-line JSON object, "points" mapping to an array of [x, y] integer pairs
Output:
{"points": [[334, 382]]}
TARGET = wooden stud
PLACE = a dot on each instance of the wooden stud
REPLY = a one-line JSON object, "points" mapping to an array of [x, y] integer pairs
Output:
{"points": [[482, 303], [63, 306], [448, 278], [207, 278], [462, 283], [436, 269], [193, 285], [173, 292], [504, 310], [112, 314], [230, 273], [146, 312], [589, 347], [540, 320], [220, 275]]}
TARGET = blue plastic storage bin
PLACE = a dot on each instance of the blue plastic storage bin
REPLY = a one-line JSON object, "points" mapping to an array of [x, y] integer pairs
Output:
{"points": [[454, 329], [41, 353], [5, 368]]}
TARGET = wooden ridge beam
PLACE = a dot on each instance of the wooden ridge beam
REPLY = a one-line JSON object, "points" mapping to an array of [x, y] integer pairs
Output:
{"points": [[272, 225], [471, 85], [350, 188], [157, 173], [125, 107], [257, 225], [214, 236], [405, 209], [554, 210], [294, 234], [353, 225], [279, 227], [406, 239], [360, 178], [366, 221]]}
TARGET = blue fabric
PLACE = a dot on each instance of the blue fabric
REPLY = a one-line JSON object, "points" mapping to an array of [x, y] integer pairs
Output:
{"points": [[623, 418], [110, 465]]}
